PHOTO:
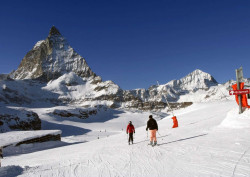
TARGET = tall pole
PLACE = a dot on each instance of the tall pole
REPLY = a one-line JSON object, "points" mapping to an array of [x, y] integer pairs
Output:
{"points": [[239, 76]]}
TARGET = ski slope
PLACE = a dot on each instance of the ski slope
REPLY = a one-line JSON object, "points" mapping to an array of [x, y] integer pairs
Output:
{"points": [[205, 144]]}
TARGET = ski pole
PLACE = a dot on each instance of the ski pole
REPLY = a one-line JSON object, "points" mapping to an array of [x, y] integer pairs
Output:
{"points": [[160, 135]]}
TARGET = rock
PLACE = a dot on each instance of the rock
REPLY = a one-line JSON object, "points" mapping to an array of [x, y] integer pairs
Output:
{"points": [[19, 120], [81, 114]]}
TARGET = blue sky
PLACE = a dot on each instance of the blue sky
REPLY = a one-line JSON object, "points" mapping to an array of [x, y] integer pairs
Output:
{"points": [[135, 43]]}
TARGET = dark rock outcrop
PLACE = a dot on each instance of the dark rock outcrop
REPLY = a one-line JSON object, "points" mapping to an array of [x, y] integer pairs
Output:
{"points": [[81, 114], [41, 139], [19, 120]]}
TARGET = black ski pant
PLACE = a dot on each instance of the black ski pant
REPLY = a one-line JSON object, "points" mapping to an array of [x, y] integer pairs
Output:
{"points": [[130, 137]]}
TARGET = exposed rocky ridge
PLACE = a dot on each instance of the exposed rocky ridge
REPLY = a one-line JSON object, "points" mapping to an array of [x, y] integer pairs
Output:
{"points": [[51, 58], [18, 120]]}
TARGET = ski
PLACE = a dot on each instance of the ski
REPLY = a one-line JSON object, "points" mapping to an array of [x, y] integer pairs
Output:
{"points": [[152, 145]]}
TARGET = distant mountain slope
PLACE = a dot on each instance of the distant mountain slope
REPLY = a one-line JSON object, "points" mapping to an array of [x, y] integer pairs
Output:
{"points": [[173, 90]]}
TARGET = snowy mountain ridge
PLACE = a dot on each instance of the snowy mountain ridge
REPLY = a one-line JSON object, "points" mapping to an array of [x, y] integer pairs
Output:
{"points": [[194, 81], [198, 84]]}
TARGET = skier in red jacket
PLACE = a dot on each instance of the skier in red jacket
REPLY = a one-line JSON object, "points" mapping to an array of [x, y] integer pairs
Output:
{"points": [[130, 130]]}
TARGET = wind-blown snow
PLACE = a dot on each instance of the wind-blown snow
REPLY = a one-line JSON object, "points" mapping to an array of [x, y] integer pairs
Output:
{"points": [[236, 120]]}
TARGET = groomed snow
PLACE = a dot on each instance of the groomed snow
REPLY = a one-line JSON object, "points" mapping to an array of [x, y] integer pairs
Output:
{"points": [[200, 146]]}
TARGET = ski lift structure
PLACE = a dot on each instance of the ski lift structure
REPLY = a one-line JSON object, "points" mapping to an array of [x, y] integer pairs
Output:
{"points": [[175, 121]]}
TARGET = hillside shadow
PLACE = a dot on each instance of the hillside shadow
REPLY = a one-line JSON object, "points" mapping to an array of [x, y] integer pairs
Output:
{"points": [[11, 171], [28, 93], [101, 116], [34, 147], [67, 130], [104, 116], [183, 139]]}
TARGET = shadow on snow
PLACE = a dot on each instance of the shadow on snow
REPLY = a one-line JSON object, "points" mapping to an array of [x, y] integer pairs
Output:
{"points": [[11, 171], [67, 130], [101, 116], [183, 139]]}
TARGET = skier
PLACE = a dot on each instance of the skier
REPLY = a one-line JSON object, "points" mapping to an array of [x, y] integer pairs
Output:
{"points": [[130, 130], [1, 154], [153, 127]]}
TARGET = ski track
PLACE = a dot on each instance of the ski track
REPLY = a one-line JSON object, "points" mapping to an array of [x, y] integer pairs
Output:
{"points": [[151, 155]]}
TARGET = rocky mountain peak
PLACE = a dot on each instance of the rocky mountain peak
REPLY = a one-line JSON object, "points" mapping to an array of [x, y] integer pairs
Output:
{"points": [[50, 59], [54, 31]]}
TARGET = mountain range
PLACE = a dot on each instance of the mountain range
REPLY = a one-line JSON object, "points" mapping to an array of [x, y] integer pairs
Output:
{"points": [[52, 73]]}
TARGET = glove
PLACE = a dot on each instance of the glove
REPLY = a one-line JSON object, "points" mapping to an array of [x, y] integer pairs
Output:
{"points": [[127, 132], [134, 132], [146, 129]]}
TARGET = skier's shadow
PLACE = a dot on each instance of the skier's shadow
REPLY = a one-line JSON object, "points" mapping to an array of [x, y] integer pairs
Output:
{"points": [[183, 139], [148, 139], [140, 142]]}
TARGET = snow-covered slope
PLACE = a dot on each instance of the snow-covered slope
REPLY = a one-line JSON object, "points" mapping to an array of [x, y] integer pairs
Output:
{"points": [[198, 147]]}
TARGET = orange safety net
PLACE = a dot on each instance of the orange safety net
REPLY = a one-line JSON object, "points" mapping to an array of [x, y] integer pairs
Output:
{"points": [[175, 122], [243, 97]]}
